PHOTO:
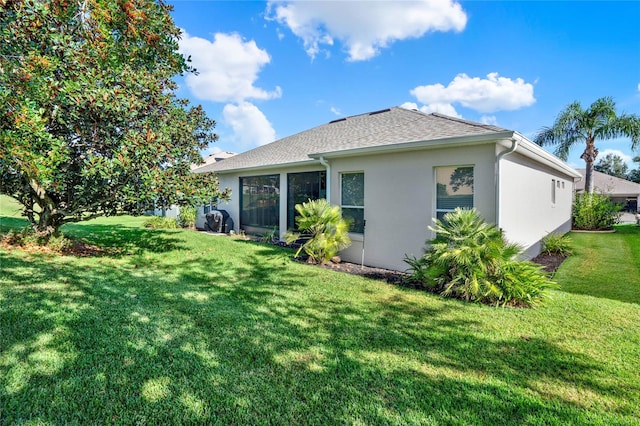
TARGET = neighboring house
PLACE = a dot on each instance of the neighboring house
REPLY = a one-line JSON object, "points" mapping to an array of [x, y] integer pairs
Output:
{"points": [[213, 158], [394, 170], [618, 190], [174, 211]]}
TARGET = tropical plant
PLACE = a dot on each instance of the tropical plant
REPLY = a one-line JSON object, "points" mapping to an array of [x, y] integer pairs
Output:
{"points": [[322, 229], [595, 211], [575, 125], [187, 217], [471, 260], [557, 244], [90, 124]]}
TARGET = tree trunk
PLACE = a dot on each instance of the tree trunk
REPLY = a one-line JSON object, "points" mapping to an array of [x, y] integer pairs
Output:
{"points": [[589, 156], [48, 223]]}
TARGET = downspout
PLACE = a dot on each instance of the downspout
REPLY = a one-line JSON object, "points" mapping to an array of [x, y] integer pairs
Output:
{"points": [[326, 164], [514, 146]]}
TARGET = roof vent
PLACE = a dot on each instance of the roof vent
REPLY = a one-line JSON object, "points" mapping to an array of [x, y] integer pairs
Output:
{"points": [[380, 112], [339, 119]]}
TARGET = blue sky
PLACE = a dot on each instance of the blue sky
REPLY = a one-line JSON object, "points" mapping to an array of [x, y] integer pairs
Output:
{"points": [[271, 69]]}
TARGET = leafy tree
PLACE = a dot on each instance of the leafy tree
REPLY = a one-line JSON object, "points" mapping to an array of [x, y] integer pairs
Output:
{"points": [[634, 175], [89, 121], [600, 121], [461, 177], [612, 165]]}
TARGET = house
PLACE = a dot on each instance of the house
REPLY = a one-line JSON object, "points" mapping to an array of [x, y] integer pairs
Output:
{"points": [[394, 170], [174, 211], [620, 191], [213, 158]]}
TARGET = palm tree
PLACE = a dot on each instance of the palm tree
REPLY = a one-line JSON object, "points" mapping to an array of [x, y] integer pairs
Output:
{"points": [[599, 121]]}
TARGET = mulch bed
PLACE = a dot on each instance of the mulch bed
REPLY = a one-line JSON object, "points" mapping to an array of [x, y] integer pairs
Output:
{"points": [[392, 277], [549, 262]]}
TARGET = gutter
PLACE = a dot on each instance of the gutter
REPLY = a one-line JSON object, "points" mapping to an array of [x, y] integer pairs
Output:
{"points": [[326, 164], [514, 145]]}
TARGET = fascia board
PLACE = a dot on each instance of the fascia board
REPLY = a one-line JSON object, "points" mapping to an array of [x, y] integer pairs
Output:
{"points": [[262, 168], [531, 150]]}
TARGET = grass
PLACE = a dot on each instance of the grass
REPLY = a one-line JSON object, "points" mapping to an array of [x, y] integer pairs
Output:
{"points": [[180, 327]]}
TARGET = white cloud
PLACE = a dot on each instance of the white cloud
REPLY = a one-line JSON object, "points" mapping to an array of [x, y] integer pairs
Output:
{"points": [[489, 119], [227, 68], [628, 159], [335, 110], [250, 126], [446, 109], [364, 27], [492, 94]]}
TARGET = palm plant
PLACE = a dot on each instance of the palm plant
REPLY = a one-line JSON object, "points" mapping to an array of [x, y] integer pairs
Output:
{"points": [[471, 260], [323, 230], [468, 251], [600, 121]]}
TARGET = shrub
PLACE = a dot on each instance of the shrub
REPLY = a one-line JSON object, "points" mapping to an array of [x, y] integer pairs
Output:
{"points": [[323, 230], [160, 222], [27, 238], [471, 260], [270, 237], [187, 217], [557, 244], [595, 211]]}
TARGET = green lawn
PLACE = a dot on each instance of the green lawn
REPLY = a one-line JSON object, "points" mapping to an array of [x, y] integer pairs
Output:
{"points": [[178, 327]]}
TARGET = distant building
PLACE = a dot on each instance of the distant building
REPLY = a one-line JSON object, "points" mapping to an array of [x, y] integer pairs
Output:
{"points": [[620, 191]]}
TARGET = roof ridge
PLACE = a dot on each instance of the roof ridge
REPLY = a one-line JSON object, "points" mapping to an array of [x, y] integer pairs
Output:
{"points": [[462, 120]]}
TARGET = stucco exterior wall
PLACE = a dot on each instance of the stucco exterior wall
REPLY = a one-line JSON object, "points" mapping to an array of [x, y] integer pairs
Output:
{"points": [[232, 181], [528, 212], [400, 199], [400, 195]]}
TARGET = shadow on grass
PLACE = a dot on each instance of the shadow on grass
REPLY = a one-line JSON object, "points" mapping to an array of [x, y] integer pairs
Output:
{"points": [[126, 239], [251, 342]]}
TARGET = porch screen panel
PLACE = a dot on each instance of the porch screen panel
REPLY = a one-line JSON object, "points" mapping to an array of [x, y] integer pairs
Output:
{"points": [[302, 187], [454, 188], [260, 201]]}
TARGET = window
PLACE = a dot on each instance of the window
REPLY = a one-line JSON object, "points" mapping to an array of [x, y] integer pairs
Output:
{"points": [[454, 188], [211, 205], [553, 191], [352, 200], [302, 187], [260, 201]]}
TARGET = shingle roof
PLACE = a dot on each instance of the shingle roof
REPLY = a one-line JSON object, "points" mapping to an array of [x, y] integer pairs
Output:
{"points": [[610, 185], [375, 129]]}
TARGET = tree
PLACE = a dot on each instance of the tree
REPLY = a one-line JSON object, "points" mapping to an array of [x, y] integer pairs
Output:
{"points": [[600, 121], [89, 121], [634, 175], [612, 165]]}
